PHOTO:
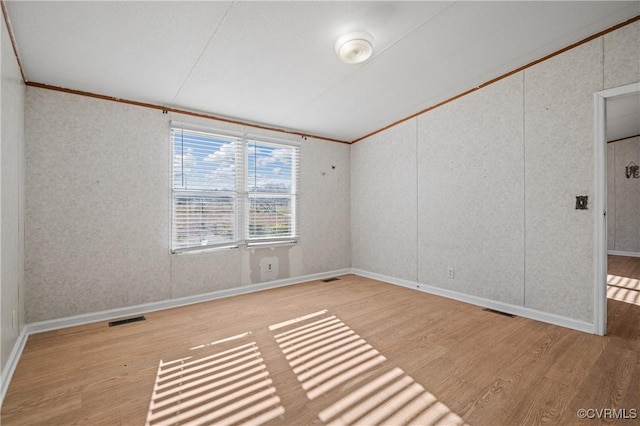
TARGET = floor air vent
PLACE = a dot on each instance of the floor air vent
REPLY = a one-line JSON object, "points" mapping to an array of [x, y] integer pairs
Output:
{"points": [[328, 280], [126, 321], [499, 313]]}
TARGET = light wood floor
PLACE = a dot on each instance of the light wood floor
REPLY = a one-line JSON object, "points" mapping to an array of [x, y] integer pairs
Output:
{"points": [[366, 353], [623, 279]]}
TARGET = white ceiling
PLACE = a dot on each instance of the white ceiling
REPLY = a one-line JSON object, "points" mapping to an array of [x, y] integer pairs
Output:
{"points": [[273, 63], [622, 117]]}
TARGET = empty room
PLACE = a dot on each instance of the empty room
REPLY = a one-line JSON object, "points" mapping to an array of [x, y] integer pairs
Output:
{"points": [[342, 213]]}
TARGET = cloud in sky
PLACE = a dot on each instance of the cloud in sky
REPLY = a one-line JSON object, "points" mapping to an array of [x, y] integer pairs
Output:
{"points": [[211, 163], [273, 156], [225, 154]]}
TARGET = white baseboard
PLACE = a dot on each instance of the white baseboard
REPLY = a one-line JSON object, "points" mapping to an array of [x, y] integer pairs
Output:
{"points": [[55, 324], [623, 253], [486, 303], [12, 363]]}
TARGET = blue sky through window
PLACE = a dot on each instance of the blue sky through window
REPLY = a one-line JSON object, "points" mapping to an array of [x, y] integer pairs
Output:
{"points": [[269, 168], [203, 161], [210, 172], [209, 162]]}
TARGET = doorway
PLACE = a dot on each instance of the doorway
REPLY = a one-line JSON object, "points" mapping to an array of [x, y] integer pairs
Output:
{"points": [[600, 203]]}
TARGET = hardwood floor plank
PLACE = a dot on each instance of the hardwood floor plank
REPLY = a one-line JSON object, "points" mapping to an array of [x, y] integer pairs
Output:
{"points": [[454, 359], [544, 407]]}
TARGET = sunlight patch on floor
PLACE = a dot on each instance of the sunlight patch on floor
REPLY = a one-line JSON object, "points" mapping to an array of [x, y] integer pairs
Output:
{"points": [[626, 282], [227, 387], [392, 398], [623, 289], [217, 342], [324, 353]]}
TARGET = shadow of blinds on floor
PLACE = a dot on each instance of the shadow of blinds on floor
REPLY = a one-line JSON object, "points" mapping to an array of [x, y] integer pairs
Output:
{"points": [[328, 357], [230, 386]]}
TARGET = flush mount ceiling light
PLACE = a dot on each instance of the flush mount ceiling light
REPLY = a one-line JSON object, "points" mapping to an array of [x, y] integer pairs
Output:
{"points": [[355, 47]]}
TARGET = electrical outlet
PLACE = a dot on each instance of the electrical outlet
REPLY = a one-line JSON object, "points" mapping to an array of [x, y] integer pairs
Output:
{"points": [[450, 273], [268, 268]]}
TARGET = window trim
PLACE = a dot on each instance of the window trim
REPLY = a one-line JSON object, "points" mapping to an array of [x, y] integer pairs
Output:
{"points": [[242, 194]]}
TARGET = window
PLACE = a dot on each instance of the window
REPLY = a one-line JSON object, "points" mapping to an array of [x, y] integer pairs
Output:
{"points": [[231, 190], [271, 188]]}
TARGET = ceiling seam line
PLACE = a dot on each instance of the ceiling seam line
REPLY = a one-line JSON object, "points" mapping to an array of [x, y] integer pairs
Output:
{"points": [[206, 46], [333, 84], [12, 37], [416, 28]]}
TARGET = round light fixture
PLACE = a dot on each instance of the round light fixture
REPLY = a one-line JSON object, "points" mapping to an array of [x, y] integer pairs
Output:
{"points": [[355, 47]]}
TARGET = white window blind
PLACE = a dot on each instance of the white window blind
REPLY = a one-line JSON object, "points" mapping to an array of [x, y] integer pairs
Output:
{"points": [[229, 190], [205, 195], [272, 177]]}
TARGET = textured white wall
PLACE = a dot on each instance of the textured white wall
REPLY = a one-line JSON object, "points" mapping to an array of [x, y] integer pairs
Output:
{"points": [[559, 166], [470, 186], [97, 206], [621, 52], [87, 159], [621, 66], [624, 196], [325, 233], [12, 191], [497, 175], [98, 218], [384, 204], [611, 204]]}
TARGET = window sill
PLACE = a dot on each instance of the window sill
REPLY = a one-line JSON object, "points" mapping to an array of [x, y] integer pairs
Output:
{"points": [[204, 250], [271, 244], [246, 246]]}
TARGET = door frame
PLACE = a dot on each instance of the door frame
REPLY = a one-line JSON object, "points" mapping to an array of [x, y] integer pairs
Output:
{"points": [[600, 203]]}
